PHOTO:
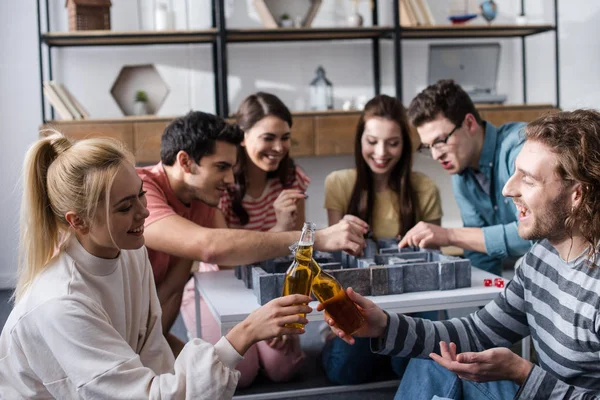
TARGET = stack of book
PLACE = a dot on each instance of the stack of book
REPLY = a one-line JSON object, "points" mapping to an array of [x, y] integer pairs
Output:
{"points": [[415, 13], [65, 105]]}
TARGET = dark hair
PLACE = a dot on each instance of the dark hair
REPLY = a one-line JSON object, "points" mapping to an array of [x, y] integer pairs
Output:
{"points": [[575, 139], [254, 108], [445, 97], [400, 178], [196, 134]]}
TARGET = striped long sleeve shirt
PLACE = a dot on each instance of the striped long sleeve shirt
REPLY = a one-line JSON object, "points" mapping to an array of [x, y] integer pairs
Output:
{"points": [[554, 301]]}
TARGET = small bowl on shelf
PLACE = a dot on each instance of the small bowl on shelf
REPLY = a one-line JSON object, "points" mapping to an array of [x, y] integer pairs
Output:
{"points": [[461, 19]]}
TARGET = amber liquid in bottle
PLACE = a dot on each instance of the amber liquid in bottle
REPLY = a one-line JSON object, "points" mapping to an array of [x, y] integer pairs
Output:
{"points": [[299, 276], [338, 305]]}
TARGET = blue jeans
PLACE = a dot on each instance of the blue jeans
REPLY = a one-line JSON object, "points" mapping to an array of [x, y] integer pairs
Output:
{"points": [[346, 364], [425, 379]]}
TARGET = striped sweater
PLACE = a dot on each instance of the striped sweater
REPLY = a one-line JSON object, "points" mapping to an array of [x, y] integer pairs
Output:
{"points": [[554, 301], [261, 212]]}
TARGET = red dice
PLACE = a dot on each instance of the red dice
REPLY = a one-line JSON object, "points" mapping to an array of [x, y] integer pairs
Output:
{"points": [[487, 282], [499, 282]]}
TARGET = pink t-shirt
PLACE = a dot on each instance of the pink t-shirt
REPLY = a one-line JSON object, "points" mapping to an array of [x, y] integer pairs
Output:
{"points": [[260, 211], [162, 202]]}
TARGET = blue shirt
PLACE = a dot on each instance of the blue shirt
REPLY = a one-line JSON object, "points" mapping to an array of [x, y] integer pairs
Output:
{"points": [[488, 209]]}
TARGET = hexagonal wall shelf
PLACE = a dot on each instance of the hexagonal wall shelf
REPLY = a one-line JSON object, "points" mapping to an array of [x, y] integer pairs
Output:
{"points": [[132, 78], [270, 21]]}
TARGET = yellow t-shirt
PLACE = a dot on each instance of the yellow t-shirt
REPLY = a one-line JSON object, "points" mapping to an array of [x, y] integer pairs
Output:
{"points": [[338, 190]]}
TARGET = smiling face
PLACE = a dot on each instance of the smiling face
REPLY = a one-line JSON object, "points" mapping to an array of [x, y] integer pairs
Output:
{"points": [[122, 226], [381, 145], [542, 198], [459, 152], [267, 142], [208, 180]]}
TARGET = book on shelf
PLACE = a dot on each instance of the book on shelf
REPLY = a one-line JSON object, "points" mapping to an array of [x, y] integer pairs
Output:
{"points": [[56, 102], [63, 101], [406, 17], [80, 109], [415, 13], [427, 12], [414, 5]]}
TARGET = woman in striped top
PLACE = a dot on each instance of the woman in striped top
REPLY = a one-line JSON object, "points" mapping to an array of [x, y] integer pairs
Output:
{"points": [[270, 190], [268, 196]]}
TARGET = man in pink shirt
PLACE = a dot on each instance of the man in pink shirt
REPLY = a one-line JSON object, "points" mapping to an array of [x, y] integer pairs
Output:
{"points": [[198, 153]]}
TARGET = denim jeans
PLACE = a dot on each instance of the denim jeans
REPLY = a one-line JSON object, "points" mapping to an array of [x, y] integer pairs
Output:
{"points": [[425, 379], [346, 364]]}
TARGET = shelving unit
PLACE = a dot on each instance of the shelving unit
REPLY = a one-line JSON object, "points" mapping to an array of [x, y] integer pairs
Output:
{"points": [[219, 37], [112, 38]]}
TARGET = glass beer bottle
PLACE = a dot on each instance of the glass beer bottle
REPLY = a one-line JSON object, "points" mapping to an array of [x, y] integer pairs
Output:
{"points": [[299, 276], [338, 305]]}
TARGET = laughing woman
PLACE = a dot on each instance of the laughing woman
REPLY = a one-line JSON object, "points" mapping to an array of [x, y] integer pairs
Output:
{"points": [[268, 196], [385, 195], [87, 320]]}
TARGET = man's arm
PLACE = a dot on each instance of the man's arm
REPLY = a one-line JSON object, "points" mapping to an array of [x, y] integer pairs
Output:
{"points": [[182, 238], [500, 323]]}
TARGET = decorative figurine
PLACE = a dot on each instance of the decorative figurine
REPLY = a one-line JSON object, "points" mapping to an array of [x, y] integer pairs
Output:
{"points": [[489, 9]]}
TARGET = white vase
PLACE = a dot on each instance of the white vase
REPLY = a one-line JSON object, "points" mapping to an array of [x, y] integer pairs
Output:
{"points": [[355, 20], [161, 17], [140, 108]]}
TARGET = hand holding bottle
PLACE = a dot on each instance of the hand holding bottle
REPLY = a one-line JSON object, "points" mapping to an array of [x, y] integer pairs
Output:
{"points": [[270, 321], [375, 319]]}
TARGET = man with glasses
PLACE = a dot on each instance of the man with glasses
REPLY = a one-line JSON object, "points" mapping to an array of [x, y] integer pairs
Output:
{"points": [[481, 158]]}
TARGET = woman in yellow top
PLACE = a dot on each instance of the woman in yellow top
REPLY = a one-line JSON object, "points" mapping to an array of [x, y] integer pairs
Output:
{"points": [[383, 190], [385, 194]]}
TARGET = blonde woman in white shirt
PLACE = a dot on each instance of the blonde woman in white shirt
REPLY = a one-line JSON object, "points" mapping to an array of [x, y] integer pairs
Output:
{"points": [[86, 321]]}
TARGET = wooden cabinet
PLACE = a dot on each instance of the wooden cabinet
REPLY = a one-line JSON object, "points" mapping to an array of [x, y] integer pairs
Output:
{"points": [[303, 137], [499, 115], [313, 134], [334, 134], [146, 139], [122, 131]]}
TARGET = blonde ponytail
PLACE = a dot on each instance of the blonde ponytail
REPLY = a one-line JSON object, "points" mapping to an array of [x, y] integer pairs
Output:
{"points": [[60, 176]]}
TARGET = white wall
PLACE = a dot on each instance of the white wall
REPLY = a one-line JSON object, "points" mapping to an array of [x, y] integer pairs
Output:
{"points": [[20, 116], [90, 72]]}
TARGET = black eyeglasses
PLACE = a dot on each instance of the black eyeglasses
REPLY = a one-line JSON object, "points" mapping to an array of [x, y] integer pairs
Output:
{"points": [[439, 145]]}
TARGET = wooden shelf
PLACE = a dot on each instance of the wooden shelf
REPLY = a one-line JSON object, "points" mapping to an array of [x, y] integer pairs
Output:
{"points": [[306, 34], [295, 114], [112, 38], [315, 133], [472, 31]]}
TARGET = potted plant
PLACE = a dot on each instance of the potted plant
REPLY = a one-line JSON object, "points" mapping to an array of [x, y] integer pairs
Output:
{"points": [[140, 107], [286, 21]]}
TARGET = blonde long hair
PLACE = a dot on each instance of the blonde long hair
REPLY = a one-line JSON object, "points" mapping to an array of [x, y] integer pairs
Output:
{"points": [[60, 175]]}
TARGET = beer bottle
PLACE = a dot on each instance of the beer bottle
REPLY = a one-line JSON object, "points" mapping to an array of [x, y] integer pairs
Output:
{"points": [[299, 276], [338, 305]]}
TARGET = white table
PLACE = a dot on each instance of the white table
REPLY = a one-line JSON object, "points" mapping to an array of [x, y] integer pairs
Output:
{"points": [[231, 302]]}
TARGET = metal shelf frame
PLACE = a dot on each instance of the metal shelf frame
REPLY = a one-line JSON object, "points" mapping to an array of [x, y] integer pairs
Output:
{"points": [[219, 37]]}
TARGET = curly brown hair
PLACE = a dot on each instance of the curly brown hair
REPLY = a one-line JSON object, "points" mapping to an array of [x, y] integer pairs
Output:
{"points": [[574, 136], [445, 97]]}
